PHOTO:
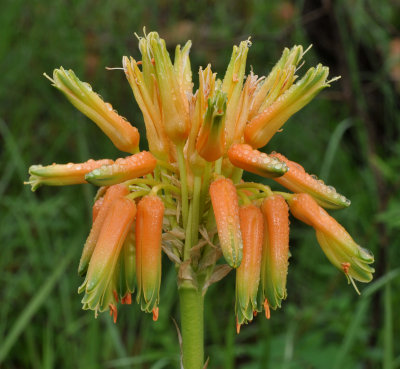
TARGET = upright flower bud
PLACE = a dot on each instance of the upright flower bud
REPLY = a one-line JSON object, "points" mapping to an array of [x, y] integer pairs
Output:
{"points": [[248, 273], [243, 156], [262, 127], [226, 210], [275, 259], [211, 140], [123, 135], [341, 250], [113, 193], [62, 174], [174, 102], [123, 169], [148, 252], [232, 86], [182, 68], [101, 282], [298, 180]]}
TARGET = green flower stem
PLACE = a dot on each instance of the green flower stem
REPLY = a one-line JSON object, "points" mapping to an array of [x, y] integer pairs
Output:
{"points": [[196, 209], [205, 186], [184, 187], [188, 232], [192, 311], [258, 186], [237, 175]]}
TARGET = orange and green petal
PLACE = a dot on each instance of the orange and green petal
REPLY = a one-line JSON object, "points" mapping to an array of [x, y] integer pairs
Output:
{"points": [[226, 210], [123, 169], [298, 180]]}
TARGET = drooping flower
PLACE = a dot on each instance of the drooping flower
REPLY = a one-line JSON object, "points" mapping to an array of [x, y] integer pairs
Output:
{"points": [[101, 282], [274, 266], [248, 273], [148, 252], [341, 250]]}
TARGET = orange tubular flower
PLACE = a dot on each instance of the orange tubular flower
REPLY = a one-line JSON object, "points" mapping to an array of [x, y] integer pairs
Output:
{"points": [[243, 156], [275, 257], [298, 180], [123, 169], [62, 174], [341, 250], [226, 210], [101, 282], [148, 251], [112, 194], [211, 140], [123, 135], [248, 273]]}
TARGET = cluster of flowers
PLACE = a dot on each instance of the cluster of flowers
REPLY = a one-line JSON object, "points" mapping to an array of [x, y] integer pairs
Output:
{"points": [[186, 196]]}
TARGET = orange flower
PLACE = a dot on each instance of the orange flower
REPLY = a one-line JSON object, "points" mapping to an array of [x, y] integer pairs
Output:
{"points": [[123, 169], [62, 174], [226, 210], [275, 257], [298, 180], [123, 135], [211, 139], [112, 194], [148, 251], [341, 250], [248, 273], [244, 157], [101, 282]]}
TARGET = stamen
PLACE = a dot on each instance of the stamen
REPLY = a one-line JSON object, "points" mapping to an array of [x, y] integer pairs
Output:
{"points": [[267, 310]]}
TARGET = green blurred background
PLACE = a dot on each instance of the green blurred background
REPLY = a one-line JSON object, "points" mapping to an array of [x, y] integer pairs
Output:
{"points": [[349, 136]]}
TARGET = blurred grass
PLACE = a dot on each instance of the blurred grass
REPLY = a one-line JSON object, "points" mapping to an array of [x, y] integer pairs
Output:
{"points": [[323, 322]]}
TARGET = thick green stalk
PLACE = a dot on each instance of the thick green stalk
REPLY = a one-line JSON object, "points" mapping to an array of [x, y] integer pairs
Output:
{"points": [[184, 188], [192, 312]]}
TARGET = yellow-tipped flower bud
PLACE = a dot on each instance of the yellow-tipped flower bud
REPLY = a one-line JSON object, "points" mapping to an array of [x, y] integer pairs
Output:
{"points": [[275, 259], [113, 193], [101, 282], [232, 86], [226, 210], [123, 169], [262, 127], [299, 181], [211, 140], [62, 174], [123, 135], [148, 252], [341, 250], [248, 273], [243, 156], [173, 99]]}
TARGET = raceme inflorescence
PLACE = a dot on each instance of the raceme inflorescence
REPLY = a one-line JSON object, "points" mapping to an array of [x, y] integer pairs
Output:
{"points": [[186, 196]]}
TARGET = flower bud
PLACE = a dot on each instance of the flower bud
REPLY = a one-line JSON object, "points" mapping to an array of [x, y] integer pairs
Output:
{"points": [[243, 156], [62, 174], [123, 135], [341, 250], [174, 102], [232, 86], [211, 140], [248, 273], [123, 169], [298, 181], [112, 194], [149, 223], [275, 259], [226, 210], [101, 282], [96, 208], [263, 126]]}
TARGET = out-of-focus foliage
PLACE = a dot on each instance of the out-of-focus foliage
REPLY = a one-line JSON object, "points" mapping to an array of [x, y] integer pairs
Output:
{"points": [[351, 132]]}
